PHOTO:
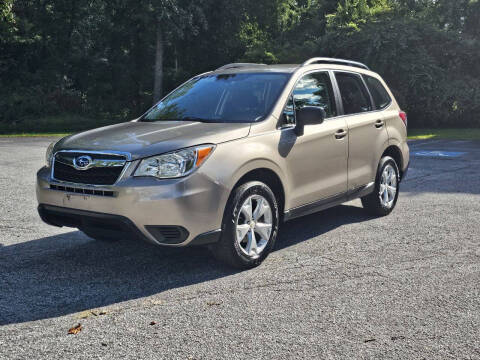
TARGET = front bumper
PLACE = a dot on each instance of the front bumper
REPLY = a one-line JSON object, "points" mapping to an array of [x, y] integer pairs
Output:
{"points": [[191, 207]]}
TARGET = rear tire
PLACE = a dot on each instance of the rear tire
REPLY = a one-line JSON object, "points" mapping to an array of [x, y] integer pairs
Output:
{"points": [[249, 227], [383, 199]]}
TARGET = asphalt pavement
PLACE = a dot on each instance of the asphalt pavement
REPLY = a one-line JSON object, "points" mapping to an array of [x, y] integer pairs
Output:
{"points": [[340, 284]]}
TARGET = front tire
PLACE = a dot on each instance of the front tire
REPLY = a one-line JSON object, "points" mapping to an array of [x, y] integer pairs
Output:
{"points": [[249, 227], [383, 199]]}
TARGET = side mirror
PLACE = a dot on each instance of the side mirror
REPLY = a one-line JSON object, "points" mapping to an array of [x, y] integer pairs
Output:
{"points": [[308, 115]]}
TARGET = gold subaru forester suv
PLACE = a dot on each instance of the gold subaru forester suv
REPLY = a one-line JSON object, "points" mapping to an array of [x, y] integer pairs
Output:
{"points": [[227, 156]]}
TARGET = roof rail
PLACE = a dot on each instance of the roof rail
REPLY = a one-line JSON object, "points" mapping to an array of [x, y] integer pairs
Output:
{"points": [[325, 60], [238, 65]]}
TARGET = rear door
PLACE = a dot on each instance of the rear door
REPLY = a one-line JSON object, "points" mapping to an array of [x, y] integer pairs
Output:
{"points": [[366, 128]]}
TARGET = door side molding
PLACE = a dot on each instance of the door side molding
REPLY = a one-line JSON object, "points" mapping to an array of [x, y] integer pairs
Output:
{"points": [[329, 202]]}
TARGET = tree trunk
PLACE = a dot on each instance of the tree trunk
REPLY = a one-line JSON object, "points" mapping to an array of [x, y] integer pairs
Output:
{"points": [[176, 60], [158, 76]]}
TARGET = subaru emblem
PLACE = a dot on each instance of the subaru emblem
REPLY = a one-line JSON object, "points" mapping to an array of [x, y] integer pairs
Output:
{"points": [[82, 162]]}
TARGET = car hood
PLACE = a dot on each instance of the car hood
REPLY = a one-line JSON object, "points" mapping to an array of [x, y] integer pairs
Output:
{"points": [[143, 139]]}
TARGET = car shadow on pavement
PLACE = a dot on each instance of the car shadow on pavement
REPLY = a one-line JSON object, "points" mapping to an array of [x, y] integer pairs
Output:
{"points": [[68, 273], [308, 227]]}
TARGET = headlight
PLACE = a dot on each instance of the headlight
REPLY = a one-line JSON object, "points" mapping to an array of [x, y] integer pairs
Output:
{"points": [[174, 164], [49, 154]]}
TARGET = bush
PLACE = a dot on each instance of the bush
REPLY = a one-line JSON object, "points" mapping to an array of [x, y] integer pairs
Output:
{"points": [[62, 123], [432, 72]]}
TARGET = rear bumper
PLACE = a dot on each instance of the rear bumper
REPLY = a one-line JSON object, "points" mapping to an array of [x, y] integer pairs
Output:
{"points": [[176, 212]]}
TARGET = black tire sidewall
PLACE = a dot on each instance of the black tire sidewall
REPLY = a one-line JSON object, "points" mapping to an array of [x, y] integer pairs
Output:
{"points": [[229, 224], [383, 163]]}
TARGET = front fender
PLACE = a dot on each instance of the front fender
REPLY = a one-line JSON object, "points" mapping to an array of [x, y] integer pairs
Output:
{"points": [[233, 160]]}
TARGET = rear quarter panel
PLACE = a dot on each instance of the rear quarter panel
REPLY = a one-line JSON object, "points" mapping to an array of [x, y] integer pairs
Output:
{"points": [[397, 131]]}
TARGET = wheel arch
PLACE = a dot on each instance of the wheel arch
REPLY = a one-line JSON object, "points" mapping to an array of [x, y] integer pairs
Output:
{"points": [[269, 177], [395, 152]]}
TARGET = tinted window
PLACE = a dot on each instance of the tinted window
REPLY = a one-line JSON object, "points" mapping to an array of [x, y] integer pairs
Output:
{"points": [[354, 95], [289, 112], [221, 98], [315, 89], [379, 94]]}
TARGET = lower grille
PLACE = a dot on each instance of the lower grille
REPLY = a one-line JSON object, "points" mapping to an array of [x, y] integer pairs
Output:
{"points": [[98, 224], [76, 190]]}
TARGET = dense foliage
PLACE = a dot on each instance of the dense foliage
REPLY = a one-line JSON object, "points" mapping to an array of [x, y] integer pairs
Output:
{"points": [[109, 60]]}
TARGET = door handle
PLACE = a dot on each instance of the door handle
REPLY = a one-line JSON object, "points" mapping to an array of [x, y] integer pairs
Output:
{"points": [[340, 134], [379, 124]]}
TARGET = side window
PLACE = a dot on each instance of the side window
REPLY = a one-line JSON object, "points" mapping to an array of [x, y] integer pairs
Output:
{"points": [[315, 89], [379, 94], [289, 112], [354, 95]]}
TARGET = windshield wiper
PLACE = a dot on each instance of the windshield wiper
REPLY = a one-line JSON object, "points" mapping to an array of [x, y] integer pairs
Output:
{"points": [[195, 118], [186, 118]]}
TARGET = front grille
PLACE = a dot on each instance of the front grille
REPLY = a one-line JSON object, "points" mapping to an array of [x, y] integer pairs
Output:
{"points": [[64, 170]]}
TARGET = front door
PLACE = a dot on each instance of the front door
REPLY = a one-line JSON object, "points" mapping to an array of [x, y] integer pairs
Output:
{"points": [[317, 160]]}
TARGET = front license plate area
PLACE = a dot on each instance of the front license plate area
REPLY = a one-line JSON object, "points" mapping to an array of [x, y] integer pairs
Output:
{"points": [[77, 200]]}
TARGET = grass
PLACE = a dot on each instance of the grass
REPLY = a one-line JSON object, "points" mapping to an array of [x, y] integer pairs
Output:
{"points": [[452, 134]]}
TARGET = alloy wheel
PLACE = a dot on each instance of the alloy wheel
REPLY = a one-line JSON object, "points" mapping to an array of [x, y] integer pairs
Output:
{"points": [[388, 186], [254, 225]]}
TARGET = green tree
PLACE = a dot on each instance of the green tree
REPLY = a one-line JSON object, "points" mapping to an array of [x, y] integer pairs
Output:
{"points": [[110, 59], [173, 20]]}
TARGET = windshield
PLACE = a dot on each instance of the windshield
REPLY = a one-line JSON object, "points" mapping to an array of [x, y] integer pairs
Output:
{"points": [[245, 97]]}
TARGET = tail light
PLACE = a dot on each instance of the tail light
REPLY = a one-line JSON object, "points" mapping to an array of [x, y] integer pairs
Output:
{"points": [[403, 116]]}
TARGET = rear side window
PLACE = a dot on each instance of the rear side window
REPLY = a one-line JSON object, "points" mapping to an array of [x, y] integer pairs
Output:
{"points": [[354, 95], [378, 91]]}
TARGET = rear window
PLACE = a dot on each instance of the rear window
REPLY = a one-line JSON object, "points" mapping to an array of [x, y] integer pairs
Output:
{"points": [[378, 91]]}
